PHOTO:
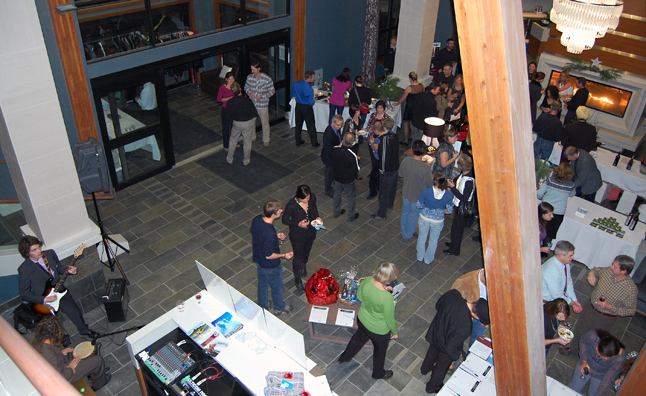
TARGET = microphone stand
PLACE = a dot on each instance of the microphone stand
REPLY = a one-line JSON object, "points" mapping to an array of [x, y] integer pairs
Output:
{"points": [[97, 336]]}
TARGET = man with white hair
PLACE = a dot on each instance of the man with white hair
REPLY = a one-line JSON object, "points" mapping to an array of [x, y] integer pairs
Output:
{"points": [[580, 134]]}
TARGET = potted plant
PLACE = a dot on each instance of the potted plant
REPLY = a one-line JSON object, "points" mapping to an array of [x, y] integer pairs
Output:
{"points": [[387, 89], [543, 170]]}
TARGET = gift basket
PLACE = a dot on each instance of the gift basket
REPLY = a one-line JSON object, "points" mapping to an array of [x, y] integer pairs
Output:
{"points": [[321, 288], [348, 295]]}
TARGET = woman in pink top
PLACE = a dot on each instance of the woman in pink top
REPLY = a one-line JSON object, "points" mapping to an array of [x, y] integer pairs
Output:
{"points": [[224, 94], [340, 85]]}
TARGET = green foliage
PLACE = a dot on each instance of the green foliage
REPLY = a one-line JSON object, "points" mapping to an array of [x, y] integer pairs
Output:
{"points": [[542, 168], [387, 89], [605, 74]]}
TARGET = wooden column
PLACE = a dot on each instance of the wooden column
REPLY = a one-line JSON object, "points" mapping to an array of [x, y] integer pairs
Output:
{"points": [[299, 40], [493, 57], [72, 60]]}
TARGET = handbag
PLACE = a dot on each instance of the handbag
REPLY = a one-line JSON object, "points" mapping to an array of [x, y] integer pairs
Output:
{"points": [[363, 108], [467, 208]]}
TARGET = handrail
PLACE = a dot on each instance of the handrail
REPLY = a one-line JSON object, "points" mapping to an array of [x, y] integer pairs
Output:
{"points": [[41, 374]]}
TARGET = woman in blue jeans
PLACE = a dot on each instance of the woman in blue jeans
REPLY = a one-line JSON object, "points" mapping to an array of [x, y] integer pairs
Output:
{"points": [[434, 202]]}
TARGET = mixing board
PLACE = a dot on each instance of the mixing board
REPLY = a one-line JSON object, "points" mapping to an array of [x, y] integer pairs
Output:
{"points": [[169, 364]]}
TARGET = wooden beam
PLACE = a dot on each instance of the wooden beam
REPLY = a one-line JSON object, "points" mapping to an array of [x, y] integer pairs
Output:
{"points": [[635, 381], [299, 39], [493, 57], [72, 60]]}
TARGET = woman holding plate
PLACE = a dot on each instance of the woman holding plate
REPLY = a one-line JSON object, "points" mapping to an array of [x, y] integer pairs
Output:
{"points": [[299, 214], [554, 313], [601, 359]]}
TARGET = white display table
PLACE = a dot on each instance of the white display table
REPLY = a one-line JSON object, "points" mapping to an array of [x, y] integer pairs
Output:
{"points": [[594, 247], [284, 349], [475, 377]]}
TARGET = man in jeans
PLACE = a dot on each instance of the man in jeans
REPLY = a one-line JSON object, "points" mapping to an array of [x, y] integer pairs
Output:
{"points": [[388, 153], [346, 168], [548, 128], [417, 176], [260, 88], [266, 253]]}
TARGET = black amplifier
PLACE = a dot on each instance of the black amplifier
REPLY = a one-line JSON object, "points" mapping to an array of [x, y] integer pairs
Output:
{"points": [[116, 299]]}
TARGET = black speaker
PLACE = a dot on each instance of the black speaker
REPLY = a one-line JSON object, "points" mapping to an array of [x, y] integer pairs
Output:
{"points": [[91, 166], [116, 300]]}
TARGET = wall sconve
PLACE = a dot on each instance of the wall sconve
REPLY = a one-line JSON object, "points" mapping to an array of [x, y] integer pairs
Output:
{"points": [[65, 8]]}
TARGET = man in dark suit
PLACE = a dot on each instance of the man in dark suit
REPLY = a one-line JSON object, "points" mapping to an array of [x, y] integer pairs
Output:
{"points": [[580, 134], [331, 138], [587, 177], [38, 268], [580, 98], [346, 167], [425, 106], [447, 332]]}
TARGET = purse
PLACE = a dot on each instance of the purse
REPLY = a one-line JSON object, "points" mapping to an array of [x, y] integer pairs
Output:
{"points": [[467, 209], [363, 108]]}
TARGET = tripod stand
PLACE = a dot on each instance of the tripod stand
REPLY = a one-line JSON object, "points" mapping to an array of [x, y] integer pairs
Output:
{"points": [[105, 240], [97, 336]]}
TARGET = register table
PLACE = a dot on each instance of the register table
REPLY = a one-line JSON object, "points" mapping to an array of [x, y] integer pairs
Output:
{"points": [[322, 115], [594, 247], [285, 351], [475, 376], [330, 320]]}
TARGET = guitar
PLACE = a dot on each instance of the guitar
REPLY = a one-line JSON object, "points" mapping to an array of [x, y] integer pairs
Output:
{"points": [[52, 307]]}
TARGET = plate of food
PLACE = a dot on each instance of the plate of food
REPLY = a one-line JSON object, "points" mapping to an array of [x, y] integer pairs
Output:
{"points": [[362, 132], [566, 333], [317, 223]]}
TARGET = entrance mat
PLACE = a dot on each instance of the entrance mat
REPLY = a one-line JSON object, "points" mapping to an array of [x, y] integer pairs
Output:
{"points": [[260, 173], [188, 134]]}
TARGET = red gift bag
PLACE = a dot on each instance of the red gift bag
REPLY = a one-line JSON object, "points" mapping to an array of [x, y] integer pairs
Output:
{"points": [[321, 288]]}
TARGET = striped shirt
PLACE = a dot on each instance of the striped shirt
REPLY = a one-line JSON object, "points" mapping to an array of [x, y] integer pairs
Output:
{"points": [[262, 85], [621, 294]]}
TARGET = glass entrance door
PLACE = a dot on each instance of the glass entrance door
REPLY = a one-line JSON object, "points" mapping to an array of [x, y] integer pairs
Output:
{"points": [[134, 127]]}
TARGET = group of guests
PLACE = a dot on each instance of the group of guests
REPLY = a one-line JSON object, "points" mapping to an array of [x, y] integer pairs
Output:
{"points": [[239, 111], [601, 355]]}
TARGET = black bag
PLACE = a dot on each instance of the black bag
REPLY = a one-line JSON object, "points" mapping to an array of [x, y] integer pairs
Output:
{"points": [[24, 315], [468, 209]]}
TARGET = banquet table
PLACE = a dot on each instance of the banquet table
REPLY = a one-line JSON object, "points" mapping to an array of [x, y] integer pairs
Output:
{"points": [[128, 124], [322, 114], [594, 247]]}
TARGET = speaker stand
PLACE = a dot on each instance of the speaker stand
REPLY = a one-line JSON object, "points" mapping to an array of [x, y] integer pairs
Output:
{"points": [[105, 239]]}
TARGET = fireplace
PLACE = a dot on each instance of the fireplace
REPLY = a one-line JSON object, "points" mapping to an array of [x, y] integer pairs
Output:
{"points": [[616, 106]]}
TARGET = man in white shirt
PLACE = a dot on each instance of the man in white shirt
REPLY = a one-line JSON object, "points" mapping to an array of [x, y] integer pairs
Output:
{"points": [[557, 278]]}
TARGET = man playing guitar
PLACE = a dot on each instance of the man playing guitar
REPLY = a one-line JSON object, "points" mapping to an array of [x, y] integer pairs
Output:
{"points": [[40, 267]]}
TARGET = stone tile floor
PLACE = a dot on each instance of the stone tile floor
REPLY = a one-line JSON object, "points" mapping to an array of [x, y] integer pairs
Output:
{"points": [[189, 213]]}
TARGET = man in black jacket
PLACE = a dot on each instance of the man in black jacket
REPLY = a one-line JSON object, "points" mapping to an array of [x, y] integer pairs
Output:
{"points": [[580, 134], [388, 153], [243, 113], [447, 332], [331, 138], [346, 168], [38, 268], [580, 98], [425, 106], [548, 130]]}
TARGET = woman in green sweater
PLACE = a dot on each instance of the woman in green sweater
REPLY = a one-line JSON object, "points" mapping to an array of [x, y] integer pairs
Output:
{"points": [[376, 318]]}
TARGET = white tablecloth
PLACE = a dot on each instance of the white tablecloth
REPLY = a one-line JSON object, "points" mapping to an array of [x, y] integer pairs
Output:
{"points": [[619, 176], [322, 115], [130, 124], [596, 248]]}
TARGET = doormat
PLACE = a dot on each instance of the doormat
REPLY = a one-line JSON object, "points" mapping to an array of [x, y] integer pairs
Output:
{"points": [[188, 134], [260, 173]]}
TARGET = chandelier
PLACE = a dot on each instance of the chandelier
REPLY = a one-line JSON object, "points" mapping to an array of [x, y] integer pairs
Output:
{"points": [[583, 21]]}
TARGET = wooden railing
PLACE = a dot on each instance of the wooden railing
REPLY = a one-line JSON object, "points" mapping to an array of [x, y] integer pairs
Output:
{"points": [[41, 374]]}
